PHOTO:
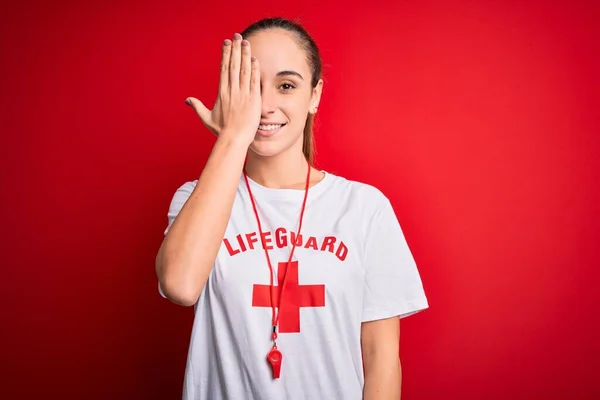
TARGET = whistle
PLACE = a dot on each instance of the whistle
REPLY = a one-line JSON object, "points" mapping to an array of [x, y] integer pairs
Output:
{"points": [[275, 357]]}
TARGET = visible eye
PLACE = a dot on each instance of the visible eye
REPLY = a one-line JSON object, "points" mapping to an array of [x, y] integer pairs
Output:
{"points": [[287, 86]]}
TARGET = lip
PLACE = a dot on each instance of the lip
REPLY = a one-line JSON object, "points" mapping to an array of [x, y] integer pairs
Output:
{"points": [[270, 132]]}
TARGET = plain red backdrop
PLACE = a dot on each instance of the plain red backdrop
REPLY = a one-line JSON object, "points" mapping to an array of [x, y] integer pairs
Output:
{"points": [[479, 120]]}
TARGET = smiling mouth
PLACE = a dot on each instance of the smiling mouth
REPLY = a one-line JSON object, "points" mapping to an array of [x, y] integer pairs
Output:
{"points": [[270, 127]]}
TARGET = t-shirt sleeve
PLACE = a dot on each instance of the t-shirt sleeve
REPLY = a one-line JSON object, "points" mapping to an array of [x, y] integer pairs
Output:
{"points": [[182, 194], [393, 285], [178, 200]]}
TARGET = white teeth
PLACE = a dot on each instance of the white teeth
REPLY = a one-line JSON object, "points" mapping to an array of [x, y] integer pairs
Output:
{"points": [[269, 127]]}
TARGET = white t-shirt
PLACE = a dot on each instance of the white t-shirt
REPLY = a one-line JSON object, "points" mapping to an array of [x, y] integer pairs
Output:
{"points": [[353, 265]]}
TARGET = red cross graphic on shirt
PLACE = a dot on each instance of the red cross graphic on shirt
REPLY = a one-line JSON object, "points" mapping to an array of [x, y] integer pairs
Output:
{"points": [[294, 297]]}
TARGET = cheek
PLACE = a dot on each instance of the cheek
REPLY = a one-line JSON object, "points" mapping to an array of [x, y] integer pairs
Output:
{"points": [[295, 108]]}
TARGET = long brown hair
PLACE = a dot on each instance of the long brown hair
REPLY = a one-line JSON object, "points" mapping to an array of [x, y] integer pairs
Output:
{"points": [[314, 62]]}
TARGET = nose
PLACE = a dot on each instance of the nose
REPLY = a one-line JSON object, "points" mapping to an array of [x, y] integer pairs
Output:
{"points": [[268, 102]]}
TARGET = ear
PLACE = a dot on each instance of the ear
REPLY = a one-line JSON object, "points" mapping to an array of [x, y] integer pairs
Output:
{"points": [[316, 97]]}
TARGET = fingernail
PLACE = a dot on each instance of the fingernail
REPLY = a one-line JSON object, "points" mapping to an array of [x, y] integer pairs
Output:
{"points": [[188, 102], [227, 42], [237, 36], [245, 42]]}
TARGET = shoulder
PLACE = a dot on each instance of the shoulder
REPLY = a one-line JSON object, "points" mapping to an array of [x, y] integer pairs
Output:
{"points": [[187, 187], [362, 194], [372, 213], [182, 194]]}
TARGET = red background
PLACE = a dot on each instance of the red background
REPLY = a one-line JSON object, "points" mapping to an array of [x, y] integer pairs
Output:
{"points": [[478, 119]]}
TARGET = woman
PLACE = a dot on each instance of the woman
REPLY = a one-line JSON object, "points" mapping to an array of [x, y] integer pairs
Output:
{"points": [[297, 275]]}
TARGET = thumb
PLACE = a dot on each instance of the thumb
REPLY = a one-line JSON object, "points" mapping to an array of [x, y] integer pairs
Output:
{"points": [[199, 107]]}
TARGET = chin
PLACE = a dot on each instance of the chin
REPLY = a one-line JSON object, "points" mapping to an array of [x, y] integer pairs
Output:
{"points": [[267, 148]]}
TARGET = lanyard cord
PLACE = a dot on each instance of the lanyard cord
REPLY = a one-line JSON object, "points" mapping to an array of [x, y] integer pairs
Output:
{"points": [[275, 318]]}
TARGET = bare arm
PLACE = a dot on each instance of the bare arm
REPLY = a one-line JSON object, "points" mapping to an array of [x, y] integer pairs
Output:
{"points": [[380, 342], [189, 249]]}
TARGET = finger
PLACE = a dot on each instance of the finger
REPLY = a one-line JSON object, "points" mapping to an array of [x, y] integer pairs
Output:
{"points": [[254, 76], [199, 107], [226, 54], [234, 63], [246, 67]]}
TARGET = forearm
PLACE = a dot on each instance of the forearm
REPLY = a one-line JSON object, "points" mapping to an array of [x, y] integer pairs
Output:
{"points": [[383, 378], [188, 251]]}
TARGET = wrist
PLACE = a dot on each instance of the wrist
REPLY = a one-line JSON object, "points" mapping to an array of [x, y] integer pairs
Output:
{"points": [[234, 139], [233, 142]]}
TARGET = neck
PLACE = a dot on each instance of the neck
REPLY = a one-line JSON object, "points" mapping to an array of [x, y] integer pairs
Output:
{"points": [[283, 171]]}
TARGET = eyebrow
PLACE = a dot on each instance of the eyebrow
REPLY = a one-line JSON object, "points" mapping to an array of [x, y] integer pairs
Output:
{"points": [[288, 73]]}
